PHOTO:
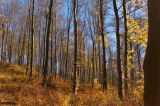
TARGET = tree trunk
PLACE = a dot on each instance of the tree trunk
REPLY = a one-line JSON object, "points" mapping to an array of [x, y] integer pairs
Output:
{"points": [[32, 40], [51, 63], [55, 46], [47, 43], [120, 94], [126, 48], [152, 58], [93, 63], [75, 12], [2, 45], [103, 44]]}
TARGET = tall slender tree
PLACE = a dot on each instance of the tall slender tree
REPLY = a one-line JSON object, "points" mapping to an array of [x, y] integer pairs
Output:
{"points": [[126, 47], [120, 94], [32, 39], [101, 12], [47, 42], [75, 15]]}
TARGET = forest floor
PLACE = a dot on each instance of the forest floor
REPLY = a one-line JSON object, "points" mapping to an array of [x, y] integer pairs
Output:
{"points": [[16, 89]]}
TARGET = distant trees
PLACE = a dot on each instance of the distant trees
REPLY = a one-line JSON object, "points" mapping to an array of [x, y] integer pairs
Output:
{"points": [[69, 19]]}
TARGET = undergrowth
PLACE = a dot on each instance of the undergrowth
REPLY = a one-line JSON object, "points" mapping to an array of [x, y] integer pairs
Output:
{"points": [[16, 89]]}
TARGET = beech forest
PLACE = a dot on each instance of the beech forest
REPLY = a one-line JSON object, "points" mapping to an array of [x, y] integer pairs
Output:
{"points": [[79, 53]]}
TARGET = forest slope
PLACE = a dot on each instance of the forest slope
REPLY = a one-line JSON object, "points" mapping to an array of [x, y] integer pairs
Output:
{"points": [[16, 89]]}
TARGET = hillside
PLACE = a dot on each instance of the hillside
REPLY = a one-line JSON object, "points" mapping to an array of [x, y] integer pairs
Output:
{"points": [[16, 89]]}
